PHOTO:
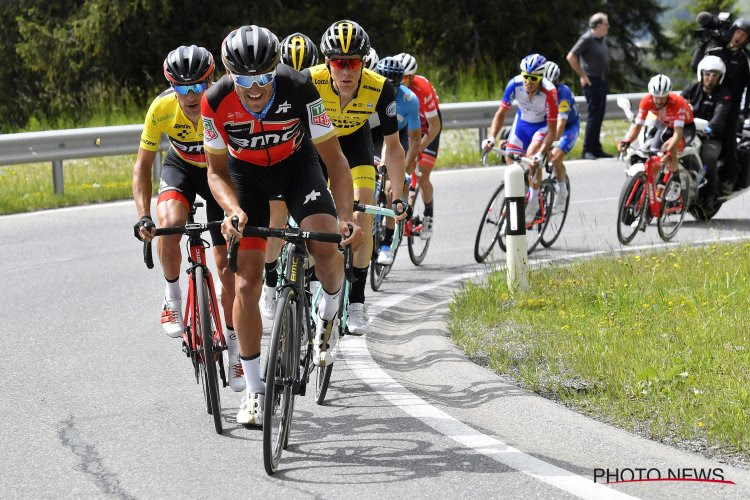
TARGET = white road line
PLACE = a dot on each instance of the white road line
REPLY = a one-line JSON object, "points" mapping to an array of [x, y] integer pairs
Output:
{"points": [[94, 206]]}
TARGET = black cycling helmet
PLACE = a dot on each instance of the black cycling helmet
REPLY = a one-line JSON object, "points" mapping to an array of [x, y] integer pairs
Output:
{"points": [[741, 23], [250, 50], [185, 65], [345, 38], [390, 67], [298, 51]]}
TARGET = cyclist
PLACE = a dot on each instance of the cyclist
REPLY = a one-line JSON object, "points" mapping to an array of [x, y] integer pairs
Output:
{"points": [[265, 126], [432, 123], [568, 126], [299, 52], [176, 112], [410, 134], [351, 95], [675, 117], [371, 60], [535, 124]]}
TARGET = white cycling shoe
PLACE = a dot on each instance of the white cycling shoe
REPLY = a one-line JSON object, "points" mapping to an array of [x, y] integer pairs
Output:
{"points": [[326, 342], [357, 322], [268, 302], [171, 318], [531, 209], [236, 380], [426, 232], [560, 201], [251, 410], [385, 256]]}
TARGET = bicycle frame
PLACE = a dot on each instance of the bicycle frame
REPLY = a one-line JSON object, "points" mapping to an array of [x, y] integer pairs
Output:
{"points": [[652, 168]]}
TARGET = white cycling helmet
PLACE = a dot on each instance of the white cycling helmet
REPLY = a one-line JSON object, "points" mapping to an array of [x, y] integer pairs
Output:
{"points": [[371, 60], [551, 71], [712, 63], [660, 86], [408, 62]]}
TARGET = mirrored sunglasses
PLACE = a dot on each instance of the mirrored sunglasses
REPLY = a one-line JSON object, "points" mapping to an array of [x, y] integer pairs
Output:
{"points": [[247, 81], [339, 64], [532, 78], [194, 87]]}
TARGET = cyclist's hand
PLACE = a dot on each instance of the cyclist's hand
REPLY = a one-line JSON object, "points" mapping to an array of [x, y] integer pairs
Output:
{"points": [[488, 143], [352, 234], [402, 209], [623, 146], [538, 160], [228, 230], [144, 229]]}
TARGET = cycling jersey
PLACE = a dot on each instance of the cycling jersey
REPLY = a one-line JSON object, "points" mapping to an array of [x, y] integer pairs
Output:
{"points": [[294, 113], [372, 96], [567, 107], [428, 99], [407, 109], [535, 109], [165, 115], [677, 112]]}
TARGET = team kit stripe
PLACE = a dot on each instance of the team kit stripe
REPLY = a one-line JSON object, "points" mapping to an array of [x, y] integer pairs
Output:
{"points": [[345, 42]]}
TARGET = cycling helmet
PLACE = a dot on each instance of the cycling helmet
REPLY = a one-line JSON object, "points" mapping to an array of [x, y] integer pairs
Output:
{"points": [[741, 23], [371, 60], [185, 65], [551, 71], [409, 63], [533, 64], [660, 86], [298, 51], [390, 67], [345, 38], [712, 63], [250, 50]]}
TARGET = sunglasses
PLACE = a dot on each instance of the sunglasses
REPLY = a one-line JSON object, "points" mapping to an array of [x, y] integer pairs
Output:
{"points": [[247, 81], [339, 64], [532, 78], [195, 87]]}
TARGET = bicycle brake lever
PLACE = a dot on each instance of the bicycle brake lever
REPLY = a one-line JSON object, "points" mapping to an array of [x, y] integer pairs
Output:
{"points": [[148, 257]]}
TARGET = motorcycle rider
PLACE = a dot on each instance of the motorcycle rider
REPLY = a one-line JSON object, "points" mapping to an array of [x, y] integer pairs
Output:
{"points": [[711, 100]]}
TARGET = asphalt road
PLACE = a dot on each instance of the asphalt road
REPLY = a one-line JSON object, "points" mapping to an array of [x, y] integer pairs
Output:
{"points": [[96, 401]]}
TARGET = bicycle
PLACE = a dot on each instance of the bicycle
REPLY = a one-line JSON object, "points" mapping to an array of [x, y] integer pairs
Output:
{"points": [[289, 353], [203, 338], [378, 272], [417, 244], [492, 226], [652, 192]]}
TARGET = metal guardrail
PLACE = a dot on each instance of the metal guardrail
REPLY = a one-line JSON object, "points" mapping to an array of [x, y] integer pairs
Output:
{"points": [[58, 145]]}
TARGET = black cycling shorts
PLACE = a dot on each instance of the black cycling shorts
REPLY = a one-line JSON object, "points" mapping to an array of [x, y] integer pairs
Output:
{"points": [[181, 181]]}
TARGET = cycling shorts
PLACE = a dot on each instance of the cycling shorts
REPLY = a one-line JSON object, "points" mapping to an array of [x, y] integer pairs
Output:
{"points": [[358, 150], [181, 181], [428, 155], [522, 134], [568, 138], [298, 178]]}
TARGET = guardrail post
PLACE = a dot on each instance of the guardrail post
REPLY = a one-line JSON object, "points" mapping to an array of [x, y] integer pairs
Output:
{"points": [[57, 177], [482, 136], [156, 167], [515, 230]]}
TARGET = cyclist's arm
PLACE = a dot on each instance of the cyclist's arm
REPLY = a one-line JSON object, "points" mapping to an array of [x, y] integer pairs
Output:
{"points": [[561, 122], [632, 132], [142, 181], [415, 137], [340, 175], [394, 162], [222, 188], [433, 129], [497, 122]]}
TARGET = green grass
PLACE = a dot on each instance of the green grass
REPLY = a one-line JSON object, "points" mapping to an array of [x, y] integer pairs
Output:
{"points": [[656, 343], [29, 187]]}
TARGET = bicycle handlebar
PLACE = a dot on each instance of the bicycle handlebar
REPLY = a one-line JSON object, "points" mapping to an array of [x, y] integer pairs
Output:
{"points": [[195, 228], [372, 209], [513, 156]]}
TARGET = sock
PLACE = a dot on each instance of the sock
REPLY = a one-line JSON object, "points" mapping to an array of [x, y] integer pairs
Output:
{"points": [[388, 239], [562, 188], [534, 195], [251, 367], [272, 275], [231, 338], [428, 209], [172, 290], [357, 293], [329, 305]]}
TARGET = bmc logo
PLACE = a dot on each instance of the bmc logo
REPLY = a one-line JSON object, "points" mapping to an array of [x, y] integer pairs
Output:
{"points": [[266, 140]]}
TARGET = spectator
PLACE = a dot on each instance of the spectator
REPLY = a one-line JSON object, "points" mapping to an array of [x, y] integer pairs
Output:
{"points": [[589, 58]]}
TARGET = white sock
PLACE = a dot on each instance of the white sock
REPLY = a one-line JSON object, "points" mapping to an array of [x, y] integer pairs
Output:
{"points": [[534, 196], [329, 305], [231, 338], [251, 367], [172, 290], [562, 189]]}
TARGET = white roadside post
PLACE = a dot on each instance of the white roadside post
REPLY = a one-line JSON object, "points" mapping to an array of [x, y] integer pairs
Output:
{"points": [[518, 260]]}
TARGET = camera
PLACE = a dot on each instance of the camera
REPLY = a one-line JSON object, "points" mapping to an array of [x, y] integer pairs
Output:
{"points": [[714, 27]]}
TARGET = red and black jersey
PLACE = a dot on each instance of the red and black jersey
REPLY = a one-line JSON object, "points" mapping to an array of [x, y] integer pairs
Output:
{"points": [[295, 113]]}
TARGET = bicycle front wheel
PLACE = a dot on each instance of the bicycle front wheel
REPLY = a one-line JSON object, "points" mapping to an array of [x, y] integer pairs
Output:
{"points": [[377, 271], [555, 219], [673, 207], [281, 372], [417, 244], [491, 226], [209, 353], [632, 208]]}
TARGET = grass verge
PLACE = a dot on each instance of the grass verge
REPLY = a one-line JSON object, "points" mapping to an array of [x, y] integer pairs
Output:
{"points": [[654, 343]]}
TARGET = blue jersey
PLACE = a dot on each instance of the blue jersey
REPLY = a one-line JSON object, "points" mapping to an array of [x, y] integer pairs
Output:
{"points": [[566, 106], [407, 109]]}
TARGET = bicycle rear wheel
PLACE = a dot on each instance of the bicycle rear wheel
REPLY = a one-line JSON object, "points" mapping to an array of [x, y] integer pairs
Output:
{"points": [[281, 373], [417, 245], [491, 225], [377, 271], [632, 208], [672, 211], [209, 354], [556, 220], [323, 375]]}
